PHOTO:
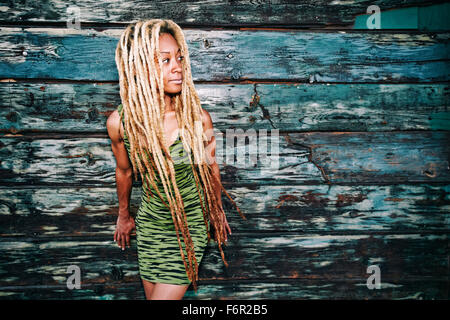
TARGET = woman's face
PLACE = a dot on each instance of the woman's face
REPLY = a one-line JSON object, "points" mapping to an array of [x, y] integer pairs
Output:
{"points": [[171, 63]]}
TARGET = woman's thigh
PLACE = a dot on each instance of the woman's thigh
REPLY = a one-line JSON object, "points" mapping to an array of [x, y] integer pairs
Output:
{"points": [[165, 291], [148, 288]]}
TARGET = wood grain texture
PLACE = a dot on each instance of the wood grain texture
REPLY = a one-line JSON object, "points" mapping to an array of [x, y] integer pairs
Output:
{"points": [[250, 256], [295, 158], [289, 289], [218, 55], [236, 13], [84, 107], [337, 209], [357, 172]]}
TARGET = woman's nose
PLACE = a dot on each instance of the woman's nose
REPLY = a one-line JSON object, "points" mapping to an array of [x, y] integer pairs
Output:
{"points": [[176, 66]]}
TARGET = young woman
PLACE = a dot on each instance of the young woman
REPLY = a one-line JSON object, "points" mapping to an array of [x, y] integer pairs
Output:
{"points": [[159, 117]]}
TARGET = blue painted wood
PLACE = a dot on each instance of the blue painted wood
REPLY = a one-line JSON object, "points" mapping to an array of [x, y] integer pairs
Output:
{"points": [[337, 258], [288, 289], [311, 157], [43, 212], [433, 17], [317, 57], [243, 13], [84, 107], [364, 175]]}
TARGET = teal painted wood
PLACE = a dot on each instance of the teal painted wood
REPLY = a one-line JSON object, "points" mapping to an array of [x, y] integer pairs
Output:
{"points": [[245, 13], [440, 121], [257, 289], [311, 157], [435, 17], [372, 189], [84, 108], [46, 212], [401, 18], [431, 18], [340, 154], [317, 57], [337, 258]]}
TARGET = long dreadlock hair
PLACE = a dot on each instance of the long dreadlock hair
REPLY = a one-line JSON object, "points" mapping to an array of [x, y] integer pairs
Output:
{"points": [[139, 63]]}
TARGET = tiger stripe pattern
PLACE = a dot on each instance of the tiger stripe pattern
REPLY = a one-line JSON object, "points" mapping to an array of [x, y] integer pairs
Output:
{"points": [[159, 256]]}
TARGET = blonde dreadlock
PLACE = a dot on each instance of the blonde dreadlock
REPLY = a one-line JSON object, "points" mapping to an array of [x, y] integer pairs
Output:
{"points": [[142, 94]]}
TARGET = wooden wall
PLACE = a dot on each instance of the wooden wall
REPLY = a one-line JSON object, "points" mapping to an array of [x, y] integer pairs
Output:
{"points": [[363, 117]]}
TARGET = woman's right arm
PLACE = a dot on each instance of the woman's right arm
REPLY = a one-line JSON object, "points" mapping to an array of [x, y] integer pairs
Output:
{"points": [[124, 181]]}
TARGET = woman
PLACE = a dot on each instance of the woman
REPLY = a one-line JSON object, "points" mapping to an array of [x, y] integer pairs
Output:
{"points": [[161, 117]]}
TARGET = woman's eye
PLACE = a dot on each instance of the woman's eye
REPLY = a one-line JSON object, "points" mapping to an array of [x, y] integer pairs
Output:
{"points": [[180, 57]]}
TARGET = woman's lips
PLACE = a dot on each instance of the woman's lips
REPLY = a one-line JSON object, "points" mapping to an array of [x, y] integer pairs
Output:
{"points": [[176, 81]]}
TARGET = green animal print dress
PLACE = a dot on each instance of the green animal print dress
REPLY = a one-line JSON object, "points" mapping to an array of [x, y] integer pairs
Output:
{"points": [[159, 255]]}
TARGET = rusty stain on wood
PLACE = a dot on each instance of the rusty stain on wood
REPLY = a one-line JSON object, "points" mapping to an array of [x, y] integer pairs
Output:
{"points": [[344, 200], [284, 198], [310, 157]]}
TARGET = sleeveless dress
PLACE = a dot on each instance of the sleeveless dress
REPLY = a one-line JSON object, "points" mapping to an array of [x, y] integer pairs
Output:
{"points": [[159, 256]]}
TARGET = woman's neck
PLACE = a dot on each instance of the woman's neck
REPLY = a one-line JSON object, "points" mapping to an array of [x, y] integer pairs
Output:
{"points": [[168, 103]]}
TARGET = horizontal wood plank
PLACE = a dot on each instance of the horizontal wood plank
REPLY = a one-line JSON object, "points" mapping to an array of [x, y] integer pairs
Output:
{"points": [[315, 57], [247, 157], [358, 176], [332, 257], [70, 212], [347, 156], [237, 289], [237, 13], [84, 107]]}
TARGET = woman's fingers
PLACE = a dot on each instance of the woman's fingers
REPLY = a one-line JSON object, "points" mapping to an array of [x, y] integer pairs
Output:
{"points": [[122, 241], [128, 240], [123, 238], [119, 238]]}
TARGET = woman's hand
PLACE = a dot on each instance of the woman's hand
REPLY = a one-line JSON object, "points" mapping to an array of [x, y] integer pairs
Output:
{"points": [[124, 226]]}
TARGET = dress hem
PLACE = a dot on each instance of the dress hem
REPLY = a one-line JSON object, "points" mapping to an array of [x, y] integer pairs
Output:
{"points": [[164, 281]]}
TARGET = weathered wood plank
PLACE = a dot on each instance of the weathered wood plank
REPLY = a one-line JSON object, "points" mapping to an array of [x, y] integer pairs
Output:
{"points": [[52, 53], [403, 155], [400, 257], [237, 289], [430, 18], [237, 13], [317, 289], [295, 158], [68, 107], [84, 211], [310, 241]]}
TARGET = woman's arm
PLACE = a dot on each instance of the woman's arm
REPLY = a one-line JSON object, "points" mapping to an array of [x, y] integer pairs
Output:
{"points": [[124, 181]]}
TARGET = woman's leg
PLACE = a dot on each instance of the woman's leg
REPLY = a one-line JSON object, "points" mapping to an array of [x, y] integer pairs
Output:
{"points": [[148, 288], [164, 291]]}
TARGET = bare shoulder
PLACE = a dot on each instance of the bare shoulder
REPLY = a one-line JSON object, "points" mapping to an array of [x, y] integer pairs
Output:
{"points": [[113, 126], [207, 123], [206, 119]]}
